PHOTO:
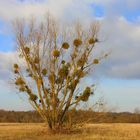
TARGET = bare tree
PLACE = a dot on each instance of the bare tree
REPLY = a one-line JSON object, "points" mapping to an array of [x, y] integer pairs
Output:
{"points": [[56, 59]]}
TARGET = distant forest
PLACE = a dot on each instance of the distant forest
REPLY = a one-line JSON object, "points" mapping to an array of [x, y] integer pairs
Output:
{"points": [[78, 116]]}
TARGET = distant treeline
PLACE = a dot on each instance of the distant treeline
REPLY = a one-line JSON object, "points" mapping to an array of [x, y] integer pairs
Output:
{"points": [[77, 116]]}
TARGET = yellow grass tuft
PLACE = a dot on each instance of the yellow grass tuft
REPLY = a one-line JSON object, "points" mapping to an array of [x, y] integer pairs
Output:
{"points": [[18, 131]]}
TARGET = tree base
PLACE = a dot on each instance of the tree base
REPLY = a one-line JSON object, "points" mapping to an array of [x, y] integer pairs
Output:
{"points": [[61, 130]]}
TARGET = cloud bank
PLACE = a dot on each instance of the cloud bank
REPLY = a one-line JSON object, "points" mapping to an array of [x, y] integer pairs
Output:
{"points": [[121, 34]]}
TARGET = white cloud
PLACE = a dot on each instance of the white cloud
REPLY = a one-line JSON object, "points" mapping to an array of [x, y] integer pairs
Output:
{"points": [[10, 9], [6, 61], [123, 41]]}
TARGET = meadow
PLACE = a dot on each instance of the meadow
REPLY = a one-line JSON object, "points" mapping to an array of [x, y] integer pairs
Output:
{"points": [[38, 131]]}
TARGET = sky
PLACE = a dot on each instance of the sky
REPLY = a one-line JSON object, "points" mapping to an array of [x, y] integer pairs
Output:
{"points": [[118, 77]]}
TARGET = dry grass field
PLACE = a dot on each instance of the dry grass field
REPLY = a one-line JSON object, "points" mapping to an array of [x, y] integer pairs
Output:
{"points": [[15, 131]]}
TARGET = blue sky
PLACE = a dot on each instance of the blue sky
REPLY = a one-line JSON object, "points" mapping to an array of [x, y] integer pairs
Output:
{"points": [[118, 77]]}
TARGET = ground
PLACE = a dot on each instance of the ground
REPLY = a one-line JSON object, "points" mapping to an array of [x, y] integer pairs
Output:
{"points": [[17, 131]]}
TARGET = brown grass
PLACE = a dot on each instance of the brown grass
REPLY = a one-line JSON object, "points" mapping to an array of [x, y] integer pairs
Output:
{"points": [[16, 131]]}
